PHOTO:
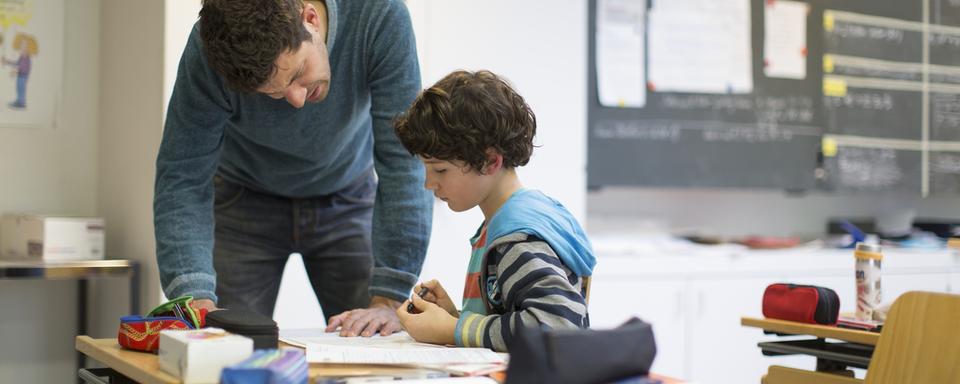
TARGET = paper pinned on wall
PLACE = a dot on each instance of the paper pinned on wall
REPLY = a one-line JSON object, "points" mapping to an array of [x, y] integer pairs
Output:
{"points": [[700, 46], [785, 39], [620, 53]]}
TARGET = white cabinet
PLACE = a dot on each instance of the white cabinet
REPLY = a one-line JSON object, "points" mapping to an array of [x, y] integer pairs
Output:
{"points": [[695, 299], [893, 284], [722, 350], [660, 303], [953, 285], [715, 311]]}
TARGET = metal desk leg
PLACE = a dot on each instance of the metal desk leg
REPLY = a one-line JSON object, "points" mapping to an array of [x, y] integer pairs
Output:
{"points": [[97, 375], [81, 321]]}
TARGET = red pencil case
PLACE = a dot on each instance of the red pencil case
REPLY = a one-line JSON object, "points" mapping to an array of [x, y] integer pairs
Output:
{"points": [[142, 333], [802, 303]]}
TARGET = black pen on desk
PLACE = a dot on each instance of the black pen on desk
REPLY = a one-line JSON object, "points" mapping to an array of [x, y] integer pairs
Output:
{"points": [[423, 292]]}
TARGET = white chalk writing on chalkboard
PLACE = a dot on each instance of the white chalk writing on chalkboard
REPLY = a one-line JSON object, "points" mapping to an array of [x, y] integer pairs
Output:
{"points": [[868, 167]]}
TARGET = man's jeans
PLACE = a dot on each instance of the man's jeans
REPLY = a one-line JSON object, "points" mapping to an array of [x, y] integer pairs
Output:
{"points": [[256, 233]]}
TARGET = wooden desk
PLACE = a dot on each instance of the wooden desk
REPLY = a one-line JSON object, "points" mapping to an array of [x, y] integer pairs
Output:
{"points": [[144, 367], [820, 331], [854, 349]]}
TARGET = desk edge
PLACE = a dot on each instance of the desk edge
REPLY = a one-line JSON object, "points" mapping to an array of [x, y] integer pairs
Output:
{"points": [[831, 332]]}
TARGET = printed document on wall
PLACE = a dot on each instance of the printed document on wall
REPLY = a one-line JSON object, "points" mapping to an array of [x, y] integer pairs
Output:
{"points": [[785, 39], [620, 50], [700, 46]]}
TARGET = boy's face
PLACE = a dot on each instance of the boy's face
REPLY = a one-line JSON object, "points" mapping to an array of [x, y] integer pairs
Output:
{"points": [[460, 186], [302, 76]]}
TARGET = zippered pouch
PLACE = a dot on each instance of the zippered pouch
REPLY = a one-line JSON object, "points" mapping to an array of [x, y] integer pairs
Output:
{"points": [[142, 333], [262, 329], [802, 303]]}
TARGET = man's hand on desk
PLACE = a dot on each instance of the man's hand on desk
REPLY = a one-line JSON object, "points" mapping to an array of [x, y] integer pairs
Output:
{"points": [[381, 315]]}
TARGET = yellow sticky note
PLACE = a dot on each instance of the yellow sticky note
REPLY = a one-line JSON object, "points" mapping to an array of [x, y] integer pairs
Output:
{"points": [[828, 21], [829, 147], [827, 64], [834, 87]]}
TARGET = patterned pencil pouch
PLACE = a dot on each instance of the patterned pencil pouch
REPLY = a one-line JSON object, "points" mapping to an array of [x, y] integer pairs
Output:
{"points": [[142, 333]]}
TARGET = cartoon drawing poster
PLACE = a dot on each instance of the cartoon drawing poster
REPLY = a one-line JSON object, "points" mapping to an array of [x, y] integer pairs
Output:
{"points": [[31, 61]]}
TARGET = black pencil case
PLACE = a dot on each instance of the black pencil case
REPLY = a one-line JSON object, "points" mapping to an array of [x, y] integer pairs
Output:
{"points": [[263, 330]]}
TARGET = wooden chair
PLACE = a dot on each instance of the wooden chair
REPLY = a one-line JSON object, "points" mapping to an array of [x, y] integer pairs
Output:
{"points": [[586, 284], [920, 343]]}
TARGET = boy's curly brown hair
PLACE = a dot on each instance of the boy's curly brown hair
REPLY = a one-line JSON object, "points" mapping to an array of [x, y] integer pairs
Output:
{"points": [[242, 39], [465, 114]]}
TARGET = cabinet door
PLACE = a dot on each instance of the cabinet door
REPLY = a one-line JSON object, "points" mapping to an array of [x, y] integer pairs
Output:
{"points": [[954, 283], [723, 351], [893, 285], [615, 299]]}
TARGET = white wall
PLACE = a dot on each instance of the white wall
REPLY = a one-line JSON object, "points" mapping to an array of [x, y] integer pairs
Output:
{"points": [[540, 46], [51, 169], [131, 110]]}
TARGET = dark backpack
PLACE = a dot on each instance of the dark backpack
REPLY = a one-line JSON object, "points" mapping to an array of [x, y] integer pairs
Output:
{"points": [[582, 356]]}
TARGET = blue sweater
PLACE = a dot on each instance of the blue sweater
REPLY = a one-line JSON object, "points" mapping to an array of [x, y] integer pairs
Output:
{"points": [[270, 146]]}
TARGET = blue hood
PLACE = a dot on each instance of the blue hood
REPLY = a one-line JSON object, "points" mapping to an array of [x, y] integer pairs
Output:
{"points": [[533, 213]]}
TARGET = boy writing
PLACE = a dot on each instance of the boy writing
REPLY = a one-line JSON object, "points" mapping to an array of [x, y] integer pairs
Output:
{"points": [[530, 258]]}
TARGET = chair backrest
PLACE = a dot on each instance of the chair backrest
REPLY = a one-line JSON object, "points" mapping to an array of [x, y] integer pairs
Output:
{"points": [[920, 341], [586, 289]]}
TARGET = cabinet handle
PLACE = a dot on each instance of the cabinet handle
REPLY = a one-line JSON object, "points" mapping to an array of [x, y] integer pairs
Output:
{"points": [[678, 309], [699, 304]]}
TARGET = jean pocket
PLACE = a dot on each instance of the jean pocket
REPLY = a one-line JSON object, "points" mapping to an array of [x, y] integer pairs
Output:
{"points": [[226, 194]]}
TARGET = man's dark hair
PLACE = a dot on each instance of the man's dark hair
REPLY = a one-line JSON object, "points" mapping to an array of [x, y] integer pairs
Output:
{"points": [[242, 39], [463, 115]]}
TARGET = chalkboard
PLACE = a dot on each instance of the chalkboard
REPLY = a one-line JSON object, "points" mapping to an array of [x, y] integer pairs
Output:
{"points": [[877, 109]]}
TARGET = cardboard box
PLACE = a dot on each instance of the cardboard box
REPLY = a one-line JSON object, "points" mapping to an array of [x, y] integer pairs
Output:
{"points": [[51, 238], [198, 355]]}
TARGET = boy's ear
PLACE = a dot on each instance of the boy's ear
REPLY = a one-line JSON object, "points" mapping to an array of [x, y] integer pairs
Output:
{"points": [[309, 14], [494, 162]]}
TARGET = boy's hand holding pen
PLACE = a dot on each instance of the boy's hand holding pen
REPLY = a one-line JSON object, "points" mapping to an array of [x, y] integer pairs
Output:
{"points": [[431, 291], [423, 292], [429, 316]]}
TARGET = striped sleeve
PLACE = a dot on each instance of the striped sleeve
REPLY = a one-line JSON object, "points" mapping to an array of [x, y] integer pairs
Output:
{"points": [[535, 289]]}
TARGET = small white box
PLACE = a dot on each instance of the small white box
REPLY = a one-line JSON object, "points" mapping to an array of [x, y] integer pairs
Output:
{"points": [[51, 238], [198, 355]]}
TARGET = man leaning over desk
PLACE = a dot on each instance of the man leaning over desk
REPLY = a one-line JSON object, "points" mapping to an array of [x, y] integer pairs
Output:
{"points": [[278, 140]]}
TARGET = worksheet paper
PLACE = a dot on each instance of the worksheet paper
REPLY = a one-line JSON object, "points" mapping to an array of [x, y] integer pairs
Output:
{"points": [[303, 337], [785, 39], [339, 354], [700, 46], [620, 61]]}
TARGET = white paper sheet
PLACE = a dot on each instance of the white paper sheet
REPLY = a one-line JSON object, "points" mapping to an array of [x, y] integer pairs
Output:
{"points": [[700, 46], [304, 337], [785, 39], [422, 356], [620, 62]]}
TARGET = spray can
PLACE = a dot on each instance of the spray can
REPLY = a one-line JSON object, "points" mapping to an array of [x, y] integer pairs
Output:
{"points": [[868, 260]]}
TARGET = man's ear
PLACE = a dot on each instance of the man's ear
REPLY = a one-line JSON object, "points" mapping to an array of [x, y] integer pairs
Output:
{"points": [[494, 162]]}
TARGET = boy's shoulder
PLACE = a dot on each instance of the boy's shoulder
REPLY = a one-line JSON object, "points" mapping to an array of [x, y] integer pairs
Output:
{"points": [[516, 243]]}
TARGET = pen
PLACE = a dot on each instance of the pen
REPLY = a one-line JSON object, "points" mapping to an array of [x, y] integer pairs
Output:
{"points": [[423, 292]]}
